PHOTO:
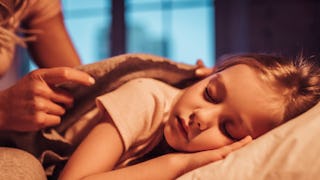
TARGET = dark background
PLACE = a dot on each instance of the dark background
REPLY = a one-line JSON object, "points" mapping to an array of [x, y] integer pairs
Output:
{"points": [[286, 27]]}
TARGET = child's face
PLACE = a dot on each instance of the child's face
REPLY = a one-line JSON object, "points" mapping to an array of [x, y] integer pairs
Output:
{"points": [[221, 109]]}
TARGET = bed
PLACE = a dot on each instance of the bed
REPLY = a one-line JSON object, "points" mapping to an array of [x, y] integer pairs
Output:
{"points": [[287, 152]]}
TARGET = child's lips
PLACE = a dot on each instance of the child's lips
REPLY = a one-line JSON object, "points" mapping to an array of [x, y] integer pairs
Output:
{"points": [[183, 127]]}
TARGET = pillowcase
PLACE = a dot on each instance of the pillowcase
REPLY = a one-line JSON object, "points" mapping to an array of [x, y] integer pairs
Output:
{"points": [[290, 151]]}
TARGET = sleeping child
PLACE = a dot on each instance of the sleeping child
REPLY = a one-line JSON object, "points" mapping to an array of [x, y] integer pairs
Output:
{"points": [[151, 130]]}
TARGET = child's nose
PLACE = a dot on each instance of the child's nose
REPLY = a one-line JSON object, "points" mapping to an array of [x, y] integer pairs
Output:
{"points": [[204, 118]]}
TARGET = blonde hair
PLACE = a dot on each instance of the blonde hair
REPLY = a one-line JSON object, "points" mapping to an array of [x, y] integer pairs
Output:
{"points": [[8, 19], [8, 8], [297, 79]]}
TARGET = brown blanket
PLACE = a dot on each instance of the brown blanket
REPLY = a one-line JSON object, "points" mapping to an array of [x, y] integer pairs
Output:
{"points": [[55, 144]]}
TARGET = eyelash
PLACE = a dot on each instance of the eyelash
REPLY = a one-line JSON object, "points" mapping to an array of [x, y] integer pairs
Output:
{"points": [[225, 131], [209, 97]]}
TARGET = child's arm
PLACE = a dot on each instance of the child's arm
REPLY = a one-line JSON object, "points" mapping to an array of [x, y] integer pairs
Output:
{"points": [[170, 166], [100, 151]]}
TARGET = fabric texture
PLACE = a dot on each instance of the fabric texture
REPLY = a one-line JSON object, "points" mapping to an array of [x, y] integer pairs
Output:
{"points": [[16, 164], [139, 110]]}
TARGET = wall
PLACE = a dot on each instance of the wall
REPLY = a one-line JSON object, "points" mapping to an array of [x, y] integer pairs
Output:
{"points": [[287, 27]]}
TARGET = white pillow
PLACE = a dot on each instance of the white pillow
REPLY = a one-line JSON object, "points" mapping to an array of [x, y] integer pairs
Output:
{"points": [[290, 151]]}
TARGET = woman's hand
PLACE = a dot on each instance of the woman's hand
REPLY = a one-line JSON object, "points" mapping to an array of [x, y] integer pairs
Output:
{"points": [[201, 70], [35, 102]]}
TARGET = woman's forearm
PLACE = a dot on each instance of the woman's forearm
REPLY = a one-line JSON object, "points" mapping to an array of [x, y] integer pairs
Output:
{"points": [[53, 46]]}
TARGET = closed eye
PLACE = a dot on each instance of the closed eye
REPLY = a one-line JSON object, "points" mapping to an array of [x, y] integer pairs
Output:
{"points": [[223, 128], [209, 96]]}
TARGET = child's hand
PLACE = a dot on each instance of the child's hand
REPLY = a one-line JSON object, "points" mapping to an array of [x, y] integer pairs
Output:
{"points": [[221, 153], [202, 70], [198, 159]]}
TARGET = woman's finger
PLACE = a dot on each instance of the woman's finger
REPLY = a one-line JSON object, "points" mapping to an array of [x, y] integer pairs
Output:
{"points": [[203, 71], [59, 75], [53, 108], [51, 120], [200, 63], [36, 122], [41, 104], [56, 95], [62, 97]]}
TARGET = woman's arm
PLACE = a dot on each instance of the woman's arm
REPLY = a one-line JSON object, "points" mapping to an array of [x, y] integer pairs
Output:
{"points": [[100, 151], [53, 46]]}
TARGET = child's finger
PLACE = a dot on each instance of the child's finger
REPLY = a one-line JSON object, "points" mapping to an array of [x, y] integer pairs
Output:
{"points": [[234, 146], [238, 144], [241, 143]]}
